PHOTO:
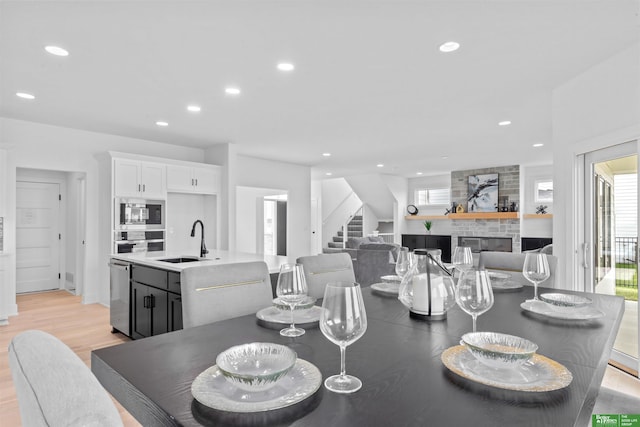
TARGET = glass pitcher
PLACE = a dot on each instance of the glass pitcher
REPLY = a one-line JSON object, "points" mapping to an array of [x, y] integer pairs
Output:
{"points": [[427, 289]]}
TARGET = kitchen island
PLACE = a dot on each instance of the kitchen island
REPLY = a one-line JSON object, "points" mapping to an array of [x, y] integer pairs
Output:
{"points": [[214, 257], [145, 288]]}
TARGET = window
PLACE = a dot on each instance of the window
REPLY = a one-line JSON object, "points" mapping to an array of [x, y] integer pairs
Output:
{"points": [[431, 196], [544, 191]]}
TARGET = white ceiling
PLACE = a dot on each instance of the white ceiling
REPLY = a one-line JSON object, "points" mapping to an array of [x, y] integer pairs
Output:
{"points": [[370, 85]]}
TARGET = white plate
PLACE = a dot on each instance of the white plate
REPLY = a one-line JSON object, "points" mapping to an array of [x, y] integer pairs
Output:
{"points": [[212, 389], [582, 313], [509, 284], [538, 375], [386, 288], [275, 315], [391, 278], [308, 302]]}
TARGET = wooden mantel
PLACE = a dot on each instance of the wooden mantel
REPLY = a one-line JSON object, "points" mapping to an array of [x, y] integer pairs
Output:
{"points": [[475, 215]]}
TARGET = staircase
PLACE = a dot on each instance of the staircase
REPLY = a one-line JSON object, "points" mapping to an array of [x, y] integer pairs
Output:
{"points": [[354, 229]]}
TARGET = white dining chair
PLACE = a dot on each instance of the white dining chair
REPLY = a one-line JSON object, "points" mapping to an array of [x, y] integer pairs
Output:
{"points": [[512, 263], [54, 387], [324, 268], [218, 292]]}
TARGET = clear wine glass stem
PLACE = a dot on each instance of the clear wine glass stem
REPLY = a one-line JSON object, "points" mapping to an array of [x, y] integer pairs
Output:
{"points": [[535, 291], [474, 317], [343, 349], [293, 306]]}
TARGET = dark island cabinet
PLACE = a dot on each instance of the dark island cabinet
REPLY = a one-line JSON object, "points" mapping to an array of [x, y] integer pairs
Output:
{"points": [[429, 241], [156, 306]]}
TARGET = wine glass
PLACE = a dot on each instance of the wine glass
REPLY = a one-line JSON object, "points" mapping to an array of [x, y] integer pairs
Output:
{"points": [[473, 293], [536, 270], [403, 262], [343, 320], [462, 258], [292, 290]]}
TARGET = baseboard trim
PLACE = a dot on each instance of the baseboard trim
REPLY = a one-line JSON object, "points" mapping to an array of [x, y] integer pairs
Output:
{"points": [[623, 368]]}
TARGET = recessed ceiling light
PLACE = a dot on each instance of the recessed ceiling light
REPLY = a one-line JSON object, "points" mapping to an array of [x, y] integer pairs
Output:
{"points": [[380, 165], [328, 174], [326, 154], [504, 123], [232, 91], [56, 50], [449, 47], [285, 66], [160, 123], [418, 173], [444, 157], [25, 95], [538, 145], [194, 108]]}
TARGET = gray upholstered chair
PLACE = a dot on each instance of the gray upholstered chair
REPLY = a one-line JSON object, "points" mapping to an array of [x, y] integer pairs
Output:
{"points": [[512, 263], [324, 268], [54, 387], [218, 292]]}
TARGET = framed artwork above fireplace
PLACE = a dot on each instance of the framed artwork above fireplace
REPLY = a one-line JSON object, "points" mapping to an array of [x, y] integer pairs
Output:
{"points": [[483, 193]]}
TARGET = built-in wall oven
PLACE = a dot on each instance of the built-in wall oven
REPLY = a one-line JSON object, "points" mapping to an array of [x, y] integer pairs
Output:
{"points": [[138, 214], [139, 225], [139, 241]]}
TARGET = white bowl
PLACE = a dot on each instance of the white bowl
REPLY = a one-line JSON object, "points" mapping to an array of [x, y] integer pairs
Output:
{"points": [[498, 278], [565, 301], [499, 350], [307, 303], [256, 366]]}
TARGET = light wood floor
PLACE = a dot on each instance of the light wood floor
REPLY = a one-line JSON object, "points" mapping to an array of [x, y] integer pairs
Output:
{"points": [[83, 327], [86, 327]]}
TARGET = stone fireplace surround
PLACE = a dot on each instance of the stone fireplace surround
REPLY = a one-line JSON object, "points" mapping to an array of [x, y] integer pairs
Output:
{"points": [[508, 186]]}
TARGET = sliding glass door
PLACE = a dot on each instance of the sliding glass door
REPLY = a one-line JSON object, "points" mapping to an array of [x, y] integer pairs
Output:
{"points": [[611, 238]]}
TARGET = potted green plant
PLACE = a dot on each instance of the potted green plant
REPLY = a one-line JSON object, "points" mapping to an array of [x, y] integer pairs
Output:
{"points": [[427, 225]]}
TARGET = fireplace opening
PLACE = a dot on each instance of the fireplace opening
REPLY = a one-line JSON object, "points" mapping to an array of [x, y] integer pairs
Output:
{"points": [[482, 244]]}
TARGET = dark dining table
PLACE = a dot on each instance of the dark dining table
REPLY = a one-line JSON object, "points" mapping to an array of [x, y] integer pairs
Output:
{"points": [[398, 360]]}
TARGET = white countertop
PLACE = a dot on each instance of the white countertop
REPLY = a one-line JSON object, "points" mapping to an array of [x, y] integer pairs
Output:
{"points": [[214, 257]]}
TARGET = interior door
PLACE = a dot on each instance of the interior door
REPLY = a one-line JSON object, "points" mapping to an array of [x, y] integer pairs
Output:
{"points": [[37, 236], [611, 239]]}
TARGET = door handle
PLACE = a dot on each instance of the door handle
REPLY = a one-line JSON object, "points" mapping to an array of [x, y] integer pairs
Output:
{"points": [[145, 302], [152, 301], [585, 251], [144, 188]]}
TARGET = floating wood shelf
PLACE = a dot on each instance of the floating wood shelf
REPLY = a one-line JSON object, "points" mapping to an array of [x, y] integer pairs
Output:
{"points": [[527, 216], [425, 217], [477, 215], [485, 215]]}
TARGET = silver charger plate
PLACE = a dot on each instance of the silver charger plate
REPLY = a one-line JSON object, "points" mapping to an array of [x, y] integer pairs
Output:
{"points": [[582, 313], [211, 389], [540, 374], [275, 315], [386, 288]]}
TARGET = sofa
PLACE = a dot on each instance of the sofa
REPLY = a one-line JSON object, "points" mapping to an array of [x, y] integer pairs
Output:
{"points": [[371, 257]]}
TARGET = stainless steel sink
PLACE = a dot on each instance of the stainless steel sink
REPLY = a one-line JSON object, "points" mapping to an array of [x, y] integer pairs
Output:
{"points": [[180, 260]]}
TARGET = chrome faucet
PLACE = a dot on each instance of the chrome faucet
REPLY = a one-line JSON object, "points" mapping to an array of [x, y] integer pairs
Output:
{"points": [[203, 248]]}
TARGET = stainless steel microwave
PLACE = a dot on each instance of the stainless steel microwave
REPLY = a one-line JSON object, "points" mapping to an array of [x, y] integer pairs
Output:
{"points": [[138, 214]]}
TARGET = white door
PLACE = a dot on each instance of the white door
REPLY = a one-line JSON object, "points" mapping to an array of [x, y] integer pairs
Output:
{"points": [[37, 236], [611, 238]]}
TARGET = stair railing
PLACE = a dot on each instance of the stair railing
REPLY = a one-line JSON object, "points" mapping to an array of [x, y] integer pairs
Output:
{"points": [[332, 222], [345, 226]]}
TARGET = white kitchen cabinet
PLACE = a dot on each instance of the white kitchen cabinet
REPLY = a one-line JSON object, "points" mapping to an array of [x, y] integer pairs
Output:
{"points": [[193, 179], [139, 179]]}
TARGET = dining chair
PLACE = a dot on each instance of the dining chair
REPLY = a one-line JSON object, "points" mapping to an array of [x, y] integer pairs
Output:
{"points": [[512, 263], [54, 386], [325, 268], [218, 292]]}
